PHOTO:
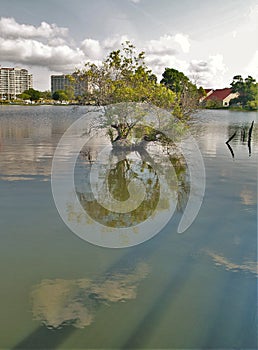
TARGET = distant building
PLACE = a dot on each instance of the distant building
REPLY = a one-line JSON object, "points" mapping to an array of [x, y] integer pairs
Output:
{"points": [[222, 96], [13, 81], [67, 82]]}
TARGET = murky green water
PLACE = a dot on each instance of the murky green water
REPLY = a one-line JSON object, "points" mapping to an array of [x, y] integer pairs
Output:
{"points": [[192, 290]]}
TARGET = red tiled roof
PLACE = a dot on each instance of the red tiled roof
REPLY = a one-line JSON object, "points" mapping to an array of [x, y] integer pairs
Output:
{"points": [[219, 94]]}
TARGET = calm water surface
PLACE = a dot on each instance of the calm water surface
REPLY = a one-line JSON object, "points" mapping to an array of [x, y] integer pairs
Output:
{"points": [[192, 290]]}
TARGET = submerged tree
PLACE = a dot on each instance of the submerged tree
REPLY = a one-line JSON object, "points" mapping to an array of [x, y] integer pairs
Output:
{"points": [[123, 77], [134, 125], [124, 84]]}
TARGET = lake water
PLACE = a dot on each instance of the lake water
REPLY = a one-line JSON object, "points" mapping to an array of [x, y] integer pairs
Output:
{"points": [[195, 290]]}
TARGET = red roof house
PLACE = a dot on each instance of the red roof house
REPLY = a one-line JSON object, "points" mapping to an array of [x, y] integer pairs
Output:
{"points": [[222, 95]]}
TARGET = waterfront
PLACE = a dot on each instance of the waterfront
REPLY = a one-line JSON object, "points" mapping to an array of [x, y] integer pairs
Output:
{"points": [[191, 290]]}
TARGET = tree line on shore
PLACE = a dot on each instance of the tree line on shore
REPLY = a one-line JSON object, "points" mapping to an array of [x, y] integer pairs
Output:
{"points": [[124, 77]]}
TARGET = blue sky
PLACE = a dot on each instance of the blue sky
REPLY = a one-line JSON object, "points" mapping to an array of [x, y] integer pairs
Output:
{"points": [[210, 41]]}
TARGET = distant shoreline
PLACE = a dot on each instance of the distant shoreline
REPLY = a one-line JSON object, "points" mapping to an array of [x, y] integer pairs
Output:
{"points": [[234, 109]]}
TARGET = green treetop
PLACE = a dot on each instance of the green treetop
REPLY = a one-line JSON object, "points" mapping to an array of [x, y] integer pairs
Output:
{"points": [[123, 77], [60, 95], [187, 93], [30, 94], [248, 91]]}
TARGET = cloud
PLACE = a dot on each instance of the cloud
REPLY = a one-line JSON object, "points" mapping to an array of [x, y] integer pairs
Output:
{"points": [[208, 73], [253, 13], [234, 33], [49, 47], [46, 45], [252, 66], [33, 52], [9, 28], [159, 63], [165, 45], [199, 66], [115, 42], [169, 44], [165, 52], [183, 41], [92, 48]]}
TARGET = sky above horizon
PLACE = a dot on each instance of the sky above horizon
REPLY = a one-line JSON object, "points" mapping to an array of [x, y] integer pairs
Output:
{"points": [[210, 41]]}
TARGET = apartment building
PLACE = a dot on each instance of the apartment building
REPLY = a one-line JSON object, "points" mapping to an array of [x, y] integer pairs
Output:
{"points": [[13, 81], [66, 82]]}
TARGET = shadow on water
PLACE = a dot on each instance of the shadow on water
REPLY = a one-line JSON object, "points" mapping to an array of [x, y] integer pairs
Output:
{"points": [[171, 290], [43, 338], [219, 330]]}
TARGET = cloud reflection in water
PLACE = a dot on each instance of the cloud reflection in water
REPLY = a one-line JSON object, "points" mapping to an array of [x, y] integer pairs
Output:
{"points": [[247, 266], [60, 302]]}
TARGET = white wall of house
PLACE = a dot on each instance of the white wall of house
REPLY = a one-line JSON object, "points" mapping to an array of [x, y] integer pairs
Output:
{"points": [[229, 98]]}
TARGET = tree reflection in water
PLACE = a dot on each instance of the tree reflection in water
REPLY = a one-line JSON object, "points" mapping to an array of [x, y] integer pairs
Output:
{"points": [[123, 167]]}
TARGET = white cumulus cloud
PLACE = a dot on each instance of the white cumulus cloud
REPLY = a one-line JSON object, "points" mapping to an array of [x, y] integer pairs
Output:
{"points": [[92, 48], [252, 66], [183, 41], [9, 28], [210, 72], [114, 42], [165, 45], [33, 52], [43, 46]]}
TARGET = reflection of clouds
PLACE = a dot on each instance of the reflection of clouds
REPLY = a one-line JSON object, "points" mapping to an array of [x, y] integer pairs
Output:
{"points": [[28, 139], [27, 147], [248, 197], [61, 302], [212, 138], [26, 160], [220, 260]]}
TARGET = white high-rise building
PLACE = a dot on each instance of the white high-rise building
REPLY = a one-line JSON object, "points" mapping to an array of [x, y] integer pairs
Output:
{"points": [[13, 81]]}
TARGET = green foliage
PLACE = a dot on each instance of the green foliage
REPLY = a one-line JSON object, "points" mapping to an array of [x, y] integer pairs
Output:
{"points": [[124, 77], [252, 105], [124, 84], [24, 96], [46, 95], [213, 103], [187, 93], [60, 95], [175, 80], [34, 95], [248, 91], [201, 92]]}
